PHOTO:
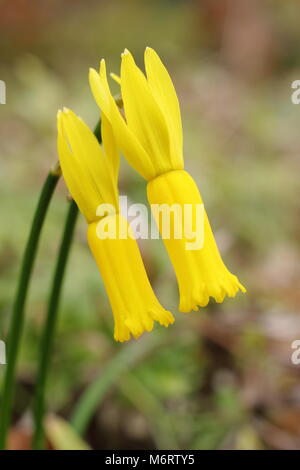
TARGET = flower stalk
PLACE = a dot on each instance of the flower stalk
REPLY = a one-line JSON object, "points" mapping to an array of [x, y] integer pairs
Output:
{"points": [[17, 319], [49, 328]]}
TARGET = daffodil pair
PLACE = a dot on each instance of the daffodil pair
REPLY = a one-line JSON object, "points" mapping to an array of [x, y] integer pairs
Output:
{"points": [[149, 134]]}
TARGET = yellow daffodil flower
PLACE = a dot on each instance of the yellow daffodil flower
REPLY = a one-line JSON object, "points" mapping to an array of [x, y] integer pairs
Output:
{"points": [[91, 173], [150, 137]]}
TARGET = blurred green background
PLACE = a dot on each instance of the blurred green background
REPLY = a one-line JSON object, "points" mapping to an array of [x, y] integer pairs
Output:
{"points": [[221, 378]]}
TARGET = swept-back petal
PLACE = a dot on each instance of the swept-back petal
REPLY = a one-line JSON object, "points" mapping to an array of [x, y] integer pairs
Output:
{"points": [[126, 140], [143, 114], [71, 176], [84, 165], [111, 151], [163, 90]]}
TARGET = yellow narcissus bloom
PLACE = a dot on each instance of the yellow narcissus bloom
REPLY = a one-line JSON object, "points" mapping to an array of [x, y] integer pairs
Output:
{"points": [[91, 173], [150, 137]]}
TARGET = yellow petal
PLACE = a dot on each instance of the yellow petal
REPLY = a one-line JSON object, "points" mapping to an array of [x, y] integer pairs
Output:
{"points": [[143, 115], [164, 92], [126, 140]]}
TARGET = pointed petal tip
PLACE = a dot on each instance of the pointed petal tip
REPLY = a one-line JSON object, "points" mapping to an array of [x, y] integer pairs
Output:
{"points": [[150, 50], [126, 53], [115, 77], [92, 71], [102, 65], [102, 68]]}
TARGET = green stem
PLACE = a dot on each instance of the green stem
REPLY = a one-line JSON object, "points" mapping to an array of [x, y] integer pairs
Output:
{"points": [[49, 328], [17, 320]]}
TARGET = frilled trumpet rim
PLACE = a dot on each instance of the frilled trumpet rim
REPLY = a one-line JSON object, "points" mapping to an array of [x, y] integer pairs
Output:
{"points": [[200, 273], [134, 304]]}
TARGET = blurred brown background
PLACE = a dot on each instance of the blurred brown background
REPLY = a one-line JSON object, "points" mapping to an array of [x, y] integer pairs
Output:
{"points": [[218, 378]]}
